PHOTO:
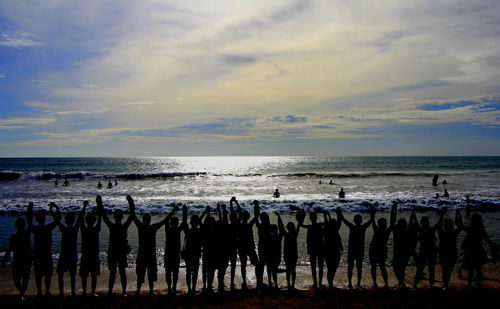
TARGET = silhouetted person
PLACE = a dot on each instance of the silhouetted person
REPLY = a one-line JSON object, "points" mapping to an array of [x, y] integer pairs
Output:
{"points": [[246, 248], [403, 235], [56, 183], [378, 246], [333, 245], [315, 244], [68, 256], [341, 193], [275, 254], [435, 180], [146, 253], [222, 245], [331, 182], [118, 246], [428, 249], [290, 251], [20, 246], [356, 245], [445, 182], [448, 253], [233, 239], [110, 185], [66, 183], [116, 183], [90, 263], [172, 253], [42, 256], [436, 196], [192, 248], [210, 252], [276, 193], [99, 185], [265, 240], [446, 194], [474, 255]]}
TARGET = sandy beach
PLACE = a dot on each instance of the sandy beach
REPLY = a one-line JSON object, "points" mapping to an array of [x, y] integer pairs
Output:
{"points": [[488, 296]]}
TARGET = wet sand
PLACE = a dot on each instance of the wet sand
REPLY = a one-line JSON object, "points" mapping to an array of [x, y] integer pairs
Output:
{"points": [[488, 296]]}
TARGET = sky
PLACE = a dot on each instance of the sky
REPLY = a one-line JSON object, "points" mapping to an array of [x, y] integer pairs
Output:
{"points": [[274, 77]]}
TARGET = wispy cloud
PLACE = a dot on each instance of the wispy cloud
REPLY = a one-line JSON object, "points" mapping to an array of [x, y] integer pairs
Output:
{"points": [[19, 40]]}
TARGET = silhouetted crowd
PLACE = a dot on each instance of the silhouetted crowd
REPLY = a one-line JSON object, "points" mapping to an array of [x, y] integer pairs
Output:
{"points": [[218, 241]]}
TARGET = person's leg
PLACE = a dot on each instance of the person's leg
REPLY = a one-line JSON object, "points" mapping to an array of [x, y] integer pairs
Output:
{"points": [[168, 277], [312, 260], [320, 269], [194, 279], [47, 280], [373, 270], [243, 268], [24, 283], [175, 278], [112, 278], [359, 267], [350, 266], [432, 269], [383, 270], [72, 280], [420, 269], [233, 267], [123, 279], [93, 283], [60, 281]]}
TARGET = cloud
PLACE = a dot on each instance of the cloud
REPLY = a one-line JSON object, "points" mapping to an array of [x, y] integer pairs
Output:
{"points": [[289, 119], [17, 123], [139, 103], [19, 40], [2, 75], [89, 86]]}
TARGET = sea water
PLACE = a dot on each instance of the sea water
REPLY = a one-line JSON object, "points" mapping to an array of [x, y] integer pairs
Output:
{"points": [[157, 184]]}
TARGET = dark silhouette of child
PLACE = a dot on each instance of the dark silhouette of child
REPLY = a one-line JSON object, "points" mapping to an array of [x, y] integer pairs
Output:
{"points": [[448, 253], [274, 260], [90, 263], [474, 254], [356, 245], [42, 256], [172, 253], [428, 250], [68, 256], [210, 254], [192, 249], [290, 251], [378, 246], [403, 234], [341, 193], [333, 245], [118, 248], [246, 246], [315, 247], [146, 253], [20, 246]]}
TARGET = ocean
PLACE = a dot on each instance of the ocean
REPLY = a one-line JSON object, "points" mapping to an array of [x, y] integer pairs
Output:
{"points": [[157, 184]]}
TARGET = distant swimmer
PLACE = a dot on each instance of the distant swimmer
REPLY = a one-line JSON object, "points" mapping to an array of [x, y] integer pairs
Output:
{"points": [[66, 183], [276, 194], [320, 182], [116, 183], [445, 182], [56, 183], [110, 185], [341, 193], [436, 196], [331, 182], [99, 185], [435, 180], [446, 194]]}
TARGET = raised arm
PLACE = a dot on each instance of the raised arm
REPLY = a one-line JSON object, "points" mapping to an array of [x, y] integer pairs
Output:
{"points": [[371, 221], [256, 213], [205, 214], [131, 206], [56, 216], [281, 227], [165, 220], [413, 221], [459, 221], [439, 223], [349, 224], [81, 214], [394, 215], [100, 209]]}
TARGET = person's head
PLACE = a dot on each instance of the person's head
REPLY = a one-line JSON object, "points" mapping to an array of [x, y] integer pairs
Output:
{"points": [[146, 219], [174, 222], [69, 219], [290, 227], [425, 222], [118, 215], [233, 217], [276, 190], [245, 215], [195, 221], [358, 219], [264, 217], [476, 221], [382, 223], [401, 224], [40, 217], [313, 216], [448, 224], [20, 224], [332, 224], [90, 219]]}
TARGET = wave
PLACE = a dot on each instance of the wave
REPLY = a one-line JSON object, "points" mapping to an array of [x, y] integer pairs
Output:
{"points": [[283, 206], [49, 175]]}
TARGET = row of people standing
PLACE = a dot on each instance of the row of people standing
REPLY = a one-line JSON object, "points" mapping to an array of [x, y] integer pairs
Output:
{"points": [[219, 241]]}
